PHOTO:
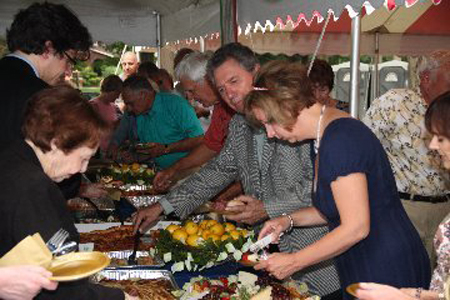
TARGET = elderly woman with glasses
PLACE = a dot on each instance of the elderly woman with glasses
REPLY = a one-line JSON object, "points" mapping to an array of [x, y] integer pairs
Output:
{"points": [[61, 133], [371, 237]]}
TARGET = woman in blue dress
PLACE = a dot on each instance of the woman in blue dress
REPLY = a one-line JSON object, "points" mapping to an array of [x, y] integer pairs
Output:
{"points": [[371, 237]]}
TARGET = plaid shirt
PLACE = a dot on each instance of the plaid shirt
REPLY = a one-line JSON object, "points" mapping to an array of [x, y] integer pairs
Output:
{"points": [[397, 119]]}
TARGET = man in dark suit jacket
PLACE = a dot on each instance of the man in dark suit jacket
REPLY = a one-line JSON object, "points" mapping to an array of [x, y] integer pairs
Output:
{"points": [[45, 40]]}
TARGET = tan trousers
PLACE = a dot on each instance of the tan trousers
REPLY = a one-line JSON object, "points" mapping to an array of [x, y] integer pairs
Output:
{"points": [[426, 217]]}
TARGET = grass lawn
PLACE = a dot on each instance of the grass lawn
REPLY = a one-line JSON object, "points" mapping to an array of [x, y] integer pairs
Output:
{"points": [[90, 89]]}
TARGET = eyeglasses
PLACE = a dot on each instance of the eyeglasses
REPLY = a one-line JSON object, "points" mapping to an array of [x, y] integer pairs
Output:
{"points": [[79, 56], [70, 59]]}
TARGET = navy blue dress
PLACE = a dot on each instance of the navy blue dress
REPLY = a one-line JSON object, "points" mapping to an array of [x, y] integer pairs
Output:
{"points": [[392, 253]]}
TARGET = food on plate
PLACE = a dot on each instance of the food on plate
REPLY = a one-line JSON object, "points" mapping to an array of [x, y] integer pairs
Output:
{"points": [[234, 202], [195, 246], [145, 289], [112, 239], [249, 259], [141, 261], [135, 193], [244, 286], [224, 206], [135, 173], [263, 294]]}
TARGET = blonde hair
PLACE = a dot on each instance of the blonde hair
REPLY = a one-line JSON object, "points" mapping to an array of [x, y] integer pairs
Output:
{"points": [[282, 90]]}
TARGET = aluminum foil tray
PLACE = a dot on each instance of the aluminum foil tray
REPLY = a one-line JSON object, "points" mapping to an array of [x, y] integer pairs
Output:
{"points": [[124, 255], [142, 201], [135, 187], [136, 273]]}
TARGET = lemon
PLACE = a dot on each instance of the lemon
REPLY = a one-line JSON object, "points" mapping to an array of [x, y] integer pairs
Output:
{"points": [[224, 237], [205, 234], [172, 227], [187, 223], [217, 229], [228, 226], [211, 223], [204, 224], [234, 234], [191, 228], [244, 232], [214, 237], [180, 235], [192, 240], [135, 167]]}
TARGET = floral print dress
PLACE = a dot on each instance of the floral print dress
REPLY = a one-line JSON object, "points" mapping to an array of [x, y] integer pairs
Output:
{"points": [[442, 246]]}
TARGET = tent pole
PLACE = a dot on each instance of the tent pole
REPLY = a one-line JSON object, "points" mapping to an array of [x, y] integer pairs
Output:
{"points": [[235, 24], [228, 21], [158, 37], [354, 66], [377, 61]]}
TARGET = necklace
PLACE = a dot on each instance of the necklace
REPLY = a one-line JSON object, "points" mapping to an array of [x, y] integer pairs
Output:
{"points": [[319, 125]]}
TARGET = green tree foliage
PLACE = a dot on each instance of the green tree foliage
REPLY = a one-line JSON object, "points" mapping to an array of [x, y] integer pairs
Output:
{"points": [[92, 75], [90, 78]]}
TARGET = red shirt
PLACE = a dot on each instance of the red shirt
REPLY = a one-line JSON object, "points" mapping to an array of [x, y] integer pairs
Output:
{"points": [[217, 132]]}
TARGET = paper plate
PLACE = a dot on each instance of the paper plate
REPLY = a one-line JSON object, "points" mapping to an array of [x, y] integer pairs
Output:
{"points": [[74, 266], [351, 289]]}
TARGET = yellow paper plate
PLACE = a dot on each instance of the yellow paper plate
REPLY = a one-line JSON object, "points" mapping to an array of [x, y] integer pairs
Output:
{"points": [[78, 265], [351, 289]]}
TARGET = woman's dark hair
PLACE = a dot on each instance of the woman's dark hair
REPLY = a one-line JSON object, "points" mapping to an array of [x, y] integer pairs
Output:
{"points": [[61, 115], [111, 83], [240, 53], [437, 117], [137, 83], [180, 56], [322, 74], [42, 22], [148, 69]]}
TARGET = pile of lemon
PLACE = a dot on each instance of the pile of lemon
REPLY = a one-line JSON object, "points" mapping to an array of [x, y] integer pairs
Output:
{"points": [[193, 234]]}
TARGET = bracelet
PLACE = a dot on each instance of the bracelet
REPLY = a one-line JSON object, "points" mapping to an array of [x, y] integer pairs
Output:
{"points": [[418, 293], [291, 222]]}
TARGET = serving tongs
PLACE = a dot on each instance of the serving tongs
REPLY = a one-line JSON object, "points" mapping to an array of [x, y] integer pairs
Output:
{"points": [[132, 258]]}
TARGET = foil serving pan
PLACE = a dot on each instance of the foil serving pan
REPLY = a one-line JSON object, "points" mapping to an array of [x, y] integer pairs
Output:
{"points": [[126, 274], [135, 187], [142, 201], [126, 253]]}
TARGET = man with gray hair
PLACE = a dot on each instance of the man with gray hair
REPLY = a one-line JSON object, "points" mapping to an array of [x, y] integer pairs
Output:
{"points": [[397, 118], [191, 72]]}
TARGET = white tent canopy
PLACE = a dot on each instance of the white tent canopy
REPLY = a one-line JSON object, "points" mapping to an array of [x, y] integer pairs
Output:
{"points": [[135, 23]]}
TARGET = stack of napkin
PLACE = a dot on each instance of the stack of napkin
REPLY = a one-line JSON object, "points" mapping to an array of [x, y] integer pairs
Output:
{"points": [[30, 251]]}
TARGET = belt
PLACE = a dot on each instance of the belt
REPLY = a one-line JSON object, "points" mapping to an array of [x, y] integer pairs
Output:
{"points": [[430, 199]]}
